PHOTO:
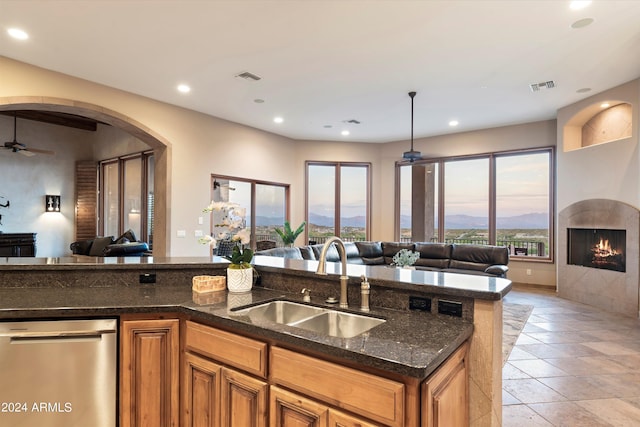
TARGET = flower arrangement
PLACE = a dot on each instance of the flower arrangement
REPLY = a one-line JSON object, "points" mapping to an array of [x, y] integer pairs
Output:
{"points": [[231, 226], [405, 258]]}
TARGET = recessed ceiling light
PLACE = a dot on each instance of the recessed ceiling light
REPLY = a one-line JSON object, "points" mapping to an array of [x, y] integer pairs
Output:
{"points": [[278, 119], [18, 34], [584, 90], [344, 133], [604, 105], [581, 23], [183, 88], [327, 126], [454, 123], [579, 4]]}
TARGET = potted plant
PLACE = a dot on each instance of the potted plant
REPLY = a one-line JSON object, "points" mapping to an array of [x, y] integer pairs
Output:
{"points": [[405, 258], [288, 235], [230, 225]]}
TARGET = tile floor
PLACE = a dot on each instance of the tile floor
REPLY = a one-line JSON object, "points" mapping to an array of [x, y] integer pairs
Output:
{"points": [[572, 365]]}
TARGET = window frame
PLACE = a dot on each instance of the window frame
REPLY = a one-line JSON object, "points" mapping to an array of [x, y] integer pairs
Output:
{"points": [[337, 193], [492, 156], [252, 208]]}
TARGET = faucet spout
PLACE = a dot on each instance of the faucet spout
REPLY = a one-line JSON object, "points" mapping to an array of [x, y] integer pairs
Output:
{"points": [[322, 266]]}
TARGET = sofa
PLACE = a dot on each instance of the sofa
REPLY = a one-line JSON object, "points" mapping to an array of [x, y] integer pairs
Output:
{"points": [[486, 260], [124, 245]]}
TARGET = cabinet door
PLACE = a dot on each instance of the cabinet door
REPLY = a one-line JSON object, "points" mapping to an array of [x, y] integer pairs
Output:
{"points": [[243, 400], [340, 419], [445, 393], [201, 392], [149, 373], [290, 410]]}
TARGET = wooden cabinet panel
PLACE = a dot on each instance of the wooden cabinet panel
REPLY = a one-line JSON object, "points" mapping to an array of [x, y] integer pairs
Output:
{"points": [[340, 419], [445, 394], [230, 349], [201, 392], [149, 373], [379, 399], [244, 400], [290, 410]]}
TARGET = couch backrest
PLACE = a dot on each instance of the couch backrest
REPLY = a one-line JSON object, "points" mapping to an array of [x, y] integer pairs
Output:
{"points": [[288, 252], [434, 255], [370, 252], [353, 256], [389, 249], [477, 257]]}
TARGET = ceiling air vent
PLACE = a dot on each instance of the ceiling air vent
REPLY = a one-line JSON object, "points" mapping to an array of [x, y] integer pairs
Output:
{"points": [[535, 87], [352, 121], [249, 76]]}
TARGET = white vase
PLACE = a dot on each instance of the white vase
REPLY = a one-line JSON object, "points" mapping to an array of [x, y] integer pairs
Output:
{"points": [[239, 279]]}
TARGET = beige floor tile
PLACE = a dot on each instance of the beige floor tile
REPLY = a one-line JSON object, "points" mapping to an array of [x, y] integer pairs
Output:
{"points": [[554, 351], [522, 416], [519, 354], [531, 391], [538, 368], [510, 372], [526, 339], [509, 399], [616, 411], [553, 326], [589, 365], [610, 348], [561, 337], [580, 388], [568, 414]]}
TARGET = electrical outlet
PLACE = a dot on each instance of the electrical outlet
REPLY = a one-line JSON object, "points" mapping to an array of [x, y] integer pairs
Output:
{"points": [[181, 233], [198, 233], [528, 272], [420, 303], [148, 278]]}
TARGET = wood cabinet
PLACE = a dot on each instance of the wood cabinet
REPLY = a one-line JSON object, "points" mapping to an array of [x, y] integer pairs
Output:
{"points": [[445, 394], [215, 394], [149, 373], [18, 244], [288, 409], [370, 396]]}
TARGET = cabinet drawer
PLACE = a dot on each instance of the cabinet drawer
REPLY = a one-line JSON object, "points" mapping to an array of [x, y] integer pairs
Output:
{"points": [[376, 398], [231, 349]]}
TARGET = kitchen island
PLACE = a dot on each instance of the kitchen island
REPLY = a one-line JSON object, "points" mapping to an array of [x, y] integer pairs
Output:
{"points": [[411, 344]]}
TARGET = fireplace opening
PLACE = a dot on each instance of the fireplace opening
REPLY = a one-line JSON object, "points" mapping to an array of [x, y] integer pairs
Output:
{"points": [[597, 248]]}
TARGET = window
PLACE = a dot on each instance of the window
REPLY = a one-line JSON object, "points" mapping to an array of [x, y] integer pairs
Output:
{"points": [[338, 201], [267, 203], [501, 198], [126, 200]]}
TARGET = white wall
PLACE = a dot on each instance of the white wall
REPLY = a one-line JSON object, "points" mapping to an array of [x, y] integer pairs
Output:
{"points": [[25, 181]]}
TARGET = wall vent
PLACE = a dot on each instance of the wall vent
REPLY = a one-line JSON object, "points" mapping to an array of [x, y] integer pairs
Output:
{"points": [[352, 121], [248, 76], [535, 87]]}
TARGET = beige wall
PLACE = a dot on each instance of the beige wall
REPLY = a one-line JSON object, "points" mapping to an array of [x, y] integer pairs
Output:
{"points": [[201, 145]]}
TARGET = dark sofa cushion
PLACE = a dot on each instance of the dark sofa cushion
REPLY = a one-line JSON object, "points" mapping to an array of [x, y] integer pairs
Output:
{"points": [[478, 257], [307, 253], [81, 247], [370, 252], [389, 249], [288, 252], [126, 249], [99, 244], [353, 255], [434, 255], [332, 252], [126, 237]]}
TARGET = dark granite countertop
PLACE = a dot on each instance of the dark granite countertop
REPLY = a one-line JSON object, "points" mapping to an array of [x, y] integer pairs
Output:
{"points": [[409, 343]]}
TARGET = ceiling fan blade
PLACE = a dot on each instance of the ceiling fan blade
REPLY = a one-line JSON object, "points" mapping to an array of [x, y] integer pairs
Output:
{"points": [[38, 151], [26, 153]]}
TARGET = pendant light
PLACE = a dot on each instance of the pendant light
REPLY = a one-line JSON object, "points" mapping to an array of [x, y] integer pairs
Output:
{"points": [[412, 155]]}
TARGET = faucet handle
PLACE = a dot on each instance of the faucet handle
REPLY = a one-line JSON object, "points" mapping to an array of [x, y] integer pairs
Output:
{"points": [[307, 295]]}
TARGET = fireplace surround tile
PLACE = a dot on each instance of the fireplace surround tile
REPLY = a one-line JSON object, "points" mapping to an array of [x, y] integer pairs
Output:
{"points": [[613, 291]]}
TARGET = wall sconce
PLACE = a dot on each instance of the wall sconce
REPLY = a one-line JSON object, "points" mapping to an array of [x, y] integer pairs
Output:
{"points": [[51, 203]]}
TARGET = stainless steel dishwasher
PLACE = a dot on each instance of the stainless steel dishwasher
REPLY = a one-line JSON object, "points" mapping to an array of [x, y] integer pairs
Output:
{"points": [[58, 373]]}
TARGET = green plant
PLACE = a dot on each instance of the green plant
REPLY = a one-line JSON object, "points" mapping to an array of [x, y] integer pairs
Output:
{"points": [[240, 258], [230, 224], [405, 257], [288, 235]]}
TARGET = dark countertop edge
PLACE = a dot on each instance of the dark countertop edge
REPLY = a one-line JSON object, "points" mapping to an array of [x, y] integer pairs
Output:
{"points": [[478, 287], [353, 357]]}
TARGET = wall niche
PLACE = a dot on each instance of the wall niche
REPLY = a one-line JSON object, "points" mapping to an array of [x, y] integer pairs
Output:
{"points": [[598, 124]]}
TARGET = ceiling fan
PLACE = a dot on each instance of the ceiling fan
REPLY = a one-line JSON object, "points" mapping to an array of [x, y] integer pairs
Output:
{"points": [[18, 147], [412, 155]]}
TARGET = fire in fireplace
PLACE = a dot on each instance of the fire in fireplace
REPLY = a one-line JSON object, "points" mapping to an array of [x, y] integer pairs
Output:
{"points": [[597, 248]]}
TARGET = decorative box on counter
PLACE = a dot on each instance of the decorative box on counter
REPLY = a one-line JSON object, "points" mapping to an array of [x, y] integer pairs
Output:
{"points": [[204, 284]]}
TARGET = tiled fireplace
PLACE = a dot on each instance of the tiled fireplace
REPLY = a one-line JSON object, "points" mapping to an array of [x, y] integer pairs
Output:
{"points": [[598, 253]]}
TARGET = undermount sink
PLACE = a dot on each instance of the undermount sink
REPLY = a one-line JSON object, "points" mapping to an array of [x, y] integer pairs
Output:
{"points": [[317, 319], [339, 324]]}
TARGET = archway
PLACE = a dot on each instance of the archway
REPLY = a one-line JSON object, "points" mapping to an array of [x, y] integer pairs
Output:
{"points": [[161, 150]]}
